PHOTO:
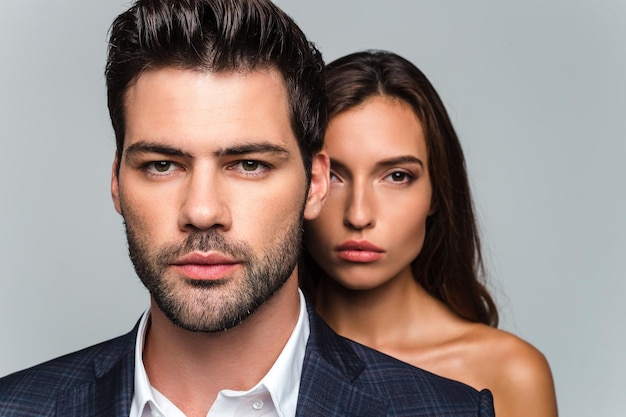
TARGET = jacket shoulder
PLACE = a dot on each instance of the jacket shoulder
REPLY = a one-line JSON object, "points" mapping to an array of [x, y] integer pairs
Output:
{"points": [[34, 391], [413, 389], [338, 367]]}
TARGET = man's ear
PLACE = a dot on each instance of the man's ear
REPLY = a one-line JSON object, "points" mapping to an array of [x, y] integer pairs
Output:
{"points": [[115, 184], [320, 181]]}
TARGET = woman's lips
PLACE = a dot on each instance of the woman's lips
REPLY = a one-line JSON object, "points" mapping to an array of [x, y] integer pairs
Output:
{"points": [[359, 251]]}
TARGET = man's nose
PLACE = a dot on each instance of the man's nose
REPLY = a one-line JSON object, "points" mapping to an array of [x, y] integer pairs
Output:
{"points": [[204, 204]]}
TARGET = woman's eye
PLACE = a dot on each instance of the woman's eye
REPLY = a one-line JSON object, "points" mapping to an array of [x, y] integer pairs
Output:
{"points": [[400, 177], [338, 176]]}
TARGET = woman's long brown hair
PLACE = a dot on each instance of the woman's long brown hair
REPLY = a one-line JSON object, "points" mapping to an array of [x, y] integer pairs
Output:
{"points": [[450, 265]]}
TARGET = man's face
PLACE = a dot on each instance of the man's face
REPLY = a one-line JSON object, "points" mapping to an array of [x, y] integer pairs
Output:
{"points": [[212, 189]]}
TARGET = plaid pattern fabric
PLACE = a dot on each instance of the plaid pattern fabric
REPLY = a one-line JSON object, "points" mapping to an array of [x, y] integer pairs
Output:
{"points": [[340, 378], [343, 378], [96, 381]]}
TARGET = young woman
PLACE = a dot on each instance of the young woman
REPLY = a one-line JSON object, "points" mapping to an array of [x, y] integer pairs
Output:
{"points": [[394, 259]]}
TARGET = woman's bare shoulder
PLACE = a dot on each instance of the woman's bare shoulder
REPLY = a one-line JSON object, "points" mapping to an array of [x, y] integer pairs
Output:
{"points": [[517, 373]]}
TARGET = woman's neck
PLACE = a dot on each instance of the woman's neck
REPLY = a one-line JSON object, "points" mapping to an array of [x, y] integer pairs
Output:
{"points": [[399, 318], [376, 316]]}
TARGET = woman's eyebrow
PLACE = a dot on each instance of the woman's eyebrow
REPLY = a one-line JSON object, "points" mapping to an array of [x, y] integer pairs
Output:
{"points": [[410, 159]]}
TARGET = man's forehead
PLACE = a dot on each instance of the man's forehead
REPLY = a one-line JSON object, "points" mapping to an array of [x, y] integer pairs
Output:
{"points": [[245, 72], [234, 109]]}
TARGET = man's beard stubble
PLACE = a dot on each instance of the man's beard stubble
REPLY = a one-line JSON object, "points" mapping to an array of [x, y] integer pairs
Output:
{"points": [[213, 306]]}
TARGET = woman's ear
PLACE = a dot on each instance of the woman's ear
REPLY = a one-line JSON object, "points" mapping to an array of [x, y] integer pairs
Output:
{"points": [[320, 182], [433, 207]]}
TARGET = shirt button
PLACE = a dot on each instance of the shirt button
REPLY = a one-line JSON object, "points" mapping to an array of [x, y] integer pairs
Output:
{"points": [[257, 405]]}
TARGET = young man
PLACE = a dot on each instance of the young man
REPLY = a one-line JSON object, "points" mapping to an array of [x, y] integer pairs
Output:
{"points": [[219, 113]]}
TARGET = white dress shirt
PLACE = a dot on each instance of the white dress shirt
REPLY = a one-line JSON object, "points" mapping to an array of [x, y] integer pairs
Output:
{"points": [[276, 395]]}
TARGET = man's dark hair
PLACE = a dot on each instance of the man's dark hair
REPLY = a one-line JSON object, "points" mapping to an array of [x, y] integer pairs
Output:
{"points": [[218, 36]]}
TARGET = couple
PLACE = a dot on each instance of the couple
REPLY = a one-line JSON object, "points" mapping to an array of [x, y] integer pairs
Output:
{"points": [[219, 114]]}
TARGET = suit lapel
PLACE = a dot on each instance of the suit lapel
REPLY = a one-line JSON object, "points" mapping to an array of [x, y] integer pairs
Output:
{"points": [[327, 387]]}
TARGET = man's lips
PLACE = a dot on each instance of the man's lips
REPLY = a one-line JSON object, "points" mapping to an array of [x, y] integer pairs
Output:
{"points": [[198, 266], [359, 251]]}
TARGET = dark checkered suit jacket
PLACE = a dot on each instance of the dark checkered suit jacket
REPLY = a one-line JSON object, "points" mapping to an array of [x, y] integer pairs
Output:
{"points": [[339, 378]]}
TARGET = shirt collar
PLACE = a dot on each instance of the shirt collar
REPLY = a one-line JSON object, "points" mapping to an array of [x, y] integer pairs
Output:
{"points": [[143, 395], [282, 381]]}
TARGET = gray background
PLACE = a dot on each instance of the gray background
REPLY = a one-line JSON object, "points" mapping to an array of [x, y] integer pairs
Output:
{"points": [[537, 93]]}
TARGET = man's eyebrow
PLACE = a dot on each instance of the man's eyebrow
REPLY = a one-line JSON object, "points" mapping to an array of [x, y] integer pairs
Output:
{"points": [[244, 149], [151, 147], [253, 148]]}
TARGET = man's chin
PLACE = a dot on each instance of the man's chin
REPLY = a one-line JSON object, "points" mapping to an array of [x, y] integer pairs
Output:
{"points": [[206, 314]]}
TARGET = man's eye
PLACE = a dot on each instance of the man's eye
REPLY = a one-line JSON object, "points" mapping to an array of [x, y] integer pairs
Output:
{"points": [[250, 166], [162, 166]]}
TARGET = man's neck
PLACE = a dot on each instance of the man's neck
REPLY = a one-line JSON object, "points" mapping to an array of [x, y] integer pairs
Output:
{"points": [[191, 368]]}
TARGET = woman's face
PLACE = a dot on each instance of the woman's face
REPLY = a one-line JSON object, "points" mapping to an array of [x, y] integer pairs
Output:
{"points": [[373, 223]]}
